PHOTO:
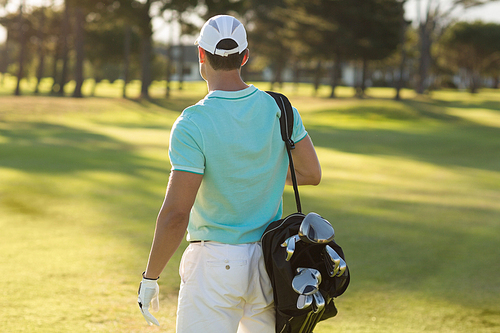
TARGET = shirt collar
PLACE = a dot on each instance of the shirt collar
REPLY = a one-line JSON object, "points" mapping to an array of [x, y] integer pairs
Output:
{"points": [[232, 94]]}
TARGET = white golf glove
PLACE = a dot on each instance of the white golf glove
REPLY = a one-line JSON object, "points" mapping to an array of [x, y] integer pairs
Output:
{"points": [[148, 294]]}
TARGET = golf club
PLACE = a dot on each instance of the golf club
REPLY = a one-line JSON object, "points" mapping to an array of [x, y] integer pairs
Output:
{"points": [[319, 302], [316, 230], [290, 246], [342, 267], [330, 268], [304, 301], [306, 282], [316, 273], [332, 260]]}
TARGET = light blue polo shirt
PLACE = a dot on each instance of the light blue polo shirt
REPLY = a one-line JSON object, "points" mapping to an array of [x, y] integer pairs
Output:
{"points": [[234, 139]]}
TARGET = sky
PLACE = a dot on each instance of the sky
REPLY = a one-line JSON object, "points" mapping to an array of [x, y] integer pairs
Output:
{"points": [[162, 32]]}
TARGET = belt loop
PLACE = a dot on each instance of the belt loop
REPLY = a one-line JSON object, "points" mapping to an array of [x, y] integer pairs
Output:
{"points": [[202, 243]]}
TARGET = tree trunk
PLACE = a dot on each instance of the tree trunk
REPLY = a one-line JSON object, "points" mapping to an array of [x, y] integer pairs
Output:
{"points": [[41, 50], [92, 91], [296, 76], [360, 91], [279, 74], [169, 71], [64, 54], [317, 77], [146, 33], [365, 72], [474, 82], [278, 70], [22, 40], [79, 48], [335, 74], [146, 66], [54, 68], [126, 59], [333, 80], [399, 83], [425, 31], [181, 65]]}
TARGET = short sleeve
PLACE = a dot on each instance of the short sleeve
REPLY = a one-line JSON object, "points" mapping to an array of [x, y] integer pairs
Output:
{"points": [[299, 131], [186, 147]]}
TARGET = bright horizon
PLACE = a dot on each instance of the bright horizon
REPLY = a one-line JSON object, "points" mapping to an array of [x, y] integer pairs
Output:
{"points": [[488, 13]]}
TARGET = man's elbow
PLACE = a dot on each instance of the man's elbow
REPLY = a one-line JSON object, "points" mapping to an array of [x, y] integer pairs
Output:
{"points": [[311, 178], [173, 218], [316, 178]]}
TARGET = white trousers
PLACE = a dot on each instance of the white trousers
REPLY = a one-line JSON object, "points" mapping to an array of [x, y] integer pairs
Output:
{"points": [[224, 289]]}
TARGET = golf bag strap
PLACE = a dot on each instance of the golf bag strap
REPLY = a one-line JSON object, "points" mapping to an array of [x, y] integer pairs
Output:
{"points": [[286, 122]]}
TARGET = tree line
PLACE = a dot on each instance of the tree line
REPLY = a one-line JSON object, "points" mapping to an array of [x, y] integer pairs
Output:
{"points": [[109, 39]]}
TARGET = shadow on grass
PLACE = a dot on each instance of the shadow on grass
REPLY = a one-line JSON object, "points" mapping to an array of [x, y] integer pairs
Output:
{"points": [[37, 147], [491, 105], [470, 146], [453, 142]]}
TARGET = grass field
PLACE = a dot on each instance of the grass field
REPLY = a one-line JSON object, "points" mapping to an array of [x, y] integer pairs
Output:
{"points": [[411, 187]]}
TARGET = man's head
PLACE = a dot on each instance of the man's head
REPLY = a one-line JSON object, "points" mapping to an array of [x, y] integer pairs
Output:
{"points": [[225, 41]]}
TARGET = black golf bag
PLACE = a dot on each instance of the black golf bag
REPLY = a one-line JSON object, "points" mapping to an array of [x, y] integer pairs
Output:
{"points": [[289, 318]]}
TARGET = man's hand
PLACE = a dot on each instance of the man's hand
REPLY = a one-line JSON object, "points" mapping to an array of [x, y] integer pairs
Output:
{"points": [[148, 294]]}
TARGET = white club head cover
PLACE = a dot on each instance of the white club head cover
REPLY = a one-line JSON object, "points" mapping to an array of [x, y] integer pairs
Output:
{"points": [[148, 294]]}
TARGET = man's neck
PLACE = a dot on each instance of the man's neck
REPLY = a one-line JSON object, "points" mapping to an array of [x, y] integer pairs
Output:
{"points": [[226, 81]]}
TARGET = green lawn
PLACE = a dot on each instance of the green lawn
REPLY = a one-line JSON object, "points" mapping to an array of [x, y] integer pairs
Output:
{"points": [[412, 189]]}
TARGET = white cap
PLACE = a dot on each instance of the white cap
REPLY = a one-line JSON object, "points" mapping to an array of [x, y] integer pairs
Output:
{"points": [[222, 27]]}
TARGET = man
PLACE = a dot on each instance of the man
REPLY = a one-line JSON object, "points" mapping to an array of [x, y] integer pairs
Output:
{"points": [[229, 168]]}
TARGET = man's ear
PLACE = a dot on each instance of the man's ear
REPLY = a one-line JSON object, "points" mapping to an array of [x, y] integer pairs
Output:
{"points": [[201, 55], [245, 57]]}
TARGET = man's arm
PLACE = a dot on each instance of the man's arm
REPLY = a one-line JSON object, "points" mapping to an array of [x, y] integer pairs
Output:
{"points": [[306, 163], [172, 220]]}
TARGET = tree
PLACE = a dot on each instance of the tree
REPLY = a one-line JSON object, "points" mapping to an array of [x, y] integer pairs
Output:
{"points": [[22, 40], [79, 48], [360, 30], [474, 47], [19, 33], [431, 26], [79, 9], [376, 31], [40, 38], [404, 28], [54, 42], [126, 59], [139, 14], [314, 34], [230, 7], [65, 40], [111, 41], [268, 36]]}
